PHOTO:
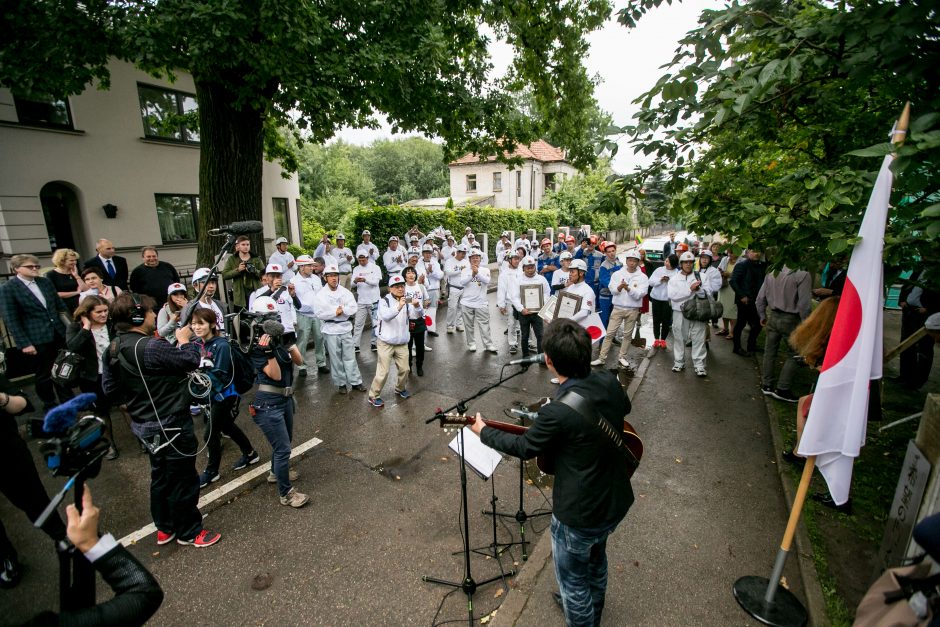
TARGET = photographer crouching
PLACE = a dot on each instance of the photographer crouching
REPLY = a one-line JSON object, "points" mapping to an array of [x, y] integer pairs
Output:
{"points": [[149, 375]]}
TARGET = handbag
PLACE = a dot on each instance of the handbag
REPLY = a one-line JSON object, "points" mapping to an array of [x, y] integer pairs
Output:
{"points": [[889, 601], [66, 367], [702, 309]]}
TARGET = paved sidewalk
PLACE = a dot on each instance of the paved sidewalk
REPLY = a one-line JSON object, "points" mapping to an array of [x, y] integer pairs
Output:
{"points": [[709, 505]]}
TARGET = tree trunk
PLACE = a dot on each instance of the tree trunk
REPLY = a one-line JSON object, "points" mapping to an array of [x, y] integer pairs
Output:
{"points": [[230, 166]]}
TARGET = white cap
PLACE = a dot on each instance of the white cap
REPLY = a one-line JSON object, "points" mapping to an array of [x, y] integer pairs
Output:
{"points": [[396, 279], [476, 252], [686, 256], [504, 234], [393, 238], [578, 264], [933, 322], [363, 254], [564, 255], [414, 252], [705, 252], [263, 305], [471, 236], [447, 232], [528, 261], [330, 268], [303, 260], [340, 236], [275, 268], [280, 240], [633, 253], [462, 248], [172, 288], [366, 232], [427, 248], [467, 230], [450, 236], [515, 253], [200, 274], [413, 238]]}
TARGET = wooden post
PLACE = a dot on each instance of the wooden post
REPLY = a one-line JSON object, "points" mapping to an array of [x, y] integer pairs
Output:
{"points": [[928, 441]]}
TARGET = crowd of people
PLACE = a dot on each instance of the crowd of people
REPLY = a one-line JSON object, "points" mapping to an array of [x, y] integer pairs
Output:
{"points": [[141, 334]]}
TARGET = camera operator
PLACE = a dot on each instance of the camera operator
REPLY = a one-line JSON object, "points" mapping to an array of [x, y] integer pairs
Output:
{"points": [[243, 269], [137, 595], [20, 482], [273, 407], [149, 375]]}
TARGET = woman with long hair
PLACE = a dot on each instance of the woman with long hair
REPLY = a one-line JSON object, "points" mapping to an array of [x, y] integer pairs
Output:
{"points": [[65, 278], [223, 398], [169, 315], [89, 336]]}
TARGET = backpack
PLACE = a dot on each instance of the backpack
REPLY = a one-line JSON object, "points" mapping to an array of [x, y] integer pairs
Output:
{"points": [[243, 372]]}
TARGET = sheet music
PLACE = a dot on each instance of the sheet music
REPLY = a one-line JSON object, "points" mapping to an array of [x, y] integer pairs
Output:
{"points": [[480, 457]]}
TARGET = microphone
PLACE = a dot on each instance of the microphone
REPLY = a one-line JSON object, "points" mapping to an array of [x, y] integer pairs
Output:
{"points": [[239, 228], [532, 359], [61, 418], [521, 413], [273, 328]]}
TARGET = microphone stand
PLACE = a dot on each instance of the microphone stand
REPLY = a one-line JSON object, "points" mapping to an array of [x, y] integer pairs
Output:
{"points": [[227, 247], [468, 585]]}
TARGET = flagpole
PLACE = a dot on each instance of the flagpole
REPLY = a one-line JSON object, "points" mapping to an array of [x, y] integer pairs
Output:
{"points": [[794, 520]]}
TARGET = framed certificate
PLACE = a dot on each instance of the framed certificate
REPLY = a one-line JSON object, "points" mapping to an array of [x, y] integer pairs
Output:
{"points": [[531, 296], [547, 312], [568, 304]]}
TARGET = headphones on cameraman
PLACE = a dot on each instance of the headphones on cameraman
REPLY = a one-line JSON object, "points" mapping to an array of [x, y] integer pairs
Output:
{"points": [[138, 312]]}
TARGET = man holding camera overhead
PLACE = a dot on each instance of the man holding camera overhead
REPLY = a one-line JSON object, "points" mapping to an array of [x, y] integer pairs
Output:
{"points": [[243, 271]]}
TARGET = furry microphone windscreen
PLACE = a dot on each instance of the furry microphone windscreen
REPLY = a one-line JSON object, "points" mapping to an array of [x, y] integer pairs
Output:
{"points": [[63, 416]]}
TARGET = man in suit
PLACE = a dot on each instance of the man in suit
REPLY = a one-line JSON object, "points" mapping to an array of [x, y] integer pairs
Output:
{"points": [[113, 267], [33, 314]]}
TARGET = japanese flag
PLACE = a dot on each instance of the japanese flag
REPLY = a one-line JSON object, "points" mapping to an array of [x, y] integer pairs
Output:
{"points": [[595, 327]]}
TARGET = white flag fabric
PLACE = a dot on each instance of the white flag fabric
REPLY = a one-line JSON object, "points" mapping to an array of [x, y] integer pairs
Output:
{"points": [[595, 328], [835, 428]]}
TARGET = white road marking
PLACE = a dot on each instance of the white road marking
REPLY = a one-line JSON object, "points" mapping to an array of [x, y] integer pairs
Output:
{"points": [[209, 497]]}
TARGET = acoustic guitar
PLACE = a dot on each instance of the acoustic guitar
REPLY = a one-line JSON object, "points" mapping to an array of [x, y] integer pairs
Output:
{"points": [[632, 443]]}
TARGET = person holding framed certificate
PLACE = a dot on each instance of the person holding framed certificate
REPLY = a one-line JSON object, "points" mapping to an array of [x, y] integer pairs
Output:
{"points": [[529, 297]]}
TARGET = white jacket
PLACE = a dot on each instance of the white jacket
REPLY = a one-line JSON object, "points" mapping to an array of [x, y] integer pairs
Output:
{"points": [[505, 285], [394, 260], [393, 323], [325, 303], [586, 293], [432, 279], [367, 291], [679, 291], [474, 287], [711, 280], [305, 288], [660, 290], [632, 295], [522, 279]]}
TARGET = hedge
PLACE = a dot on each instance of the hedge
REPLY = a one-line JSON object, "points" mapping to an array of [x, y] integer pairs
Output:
{"points": [[383, 222]]}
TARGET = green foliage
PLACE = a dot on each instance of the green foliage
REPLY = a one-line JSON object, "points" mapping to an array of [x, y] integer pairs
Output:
{"points": [[760, 127], [335, 169], [332, 214], [384, 222], [405, 169], [311, 230], [296, 250]]}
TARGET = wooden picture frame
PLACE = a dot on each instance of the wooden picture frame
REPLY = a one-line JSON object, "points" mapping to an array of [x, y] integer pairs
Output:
{"points": [[567, 304], [531, 296]]}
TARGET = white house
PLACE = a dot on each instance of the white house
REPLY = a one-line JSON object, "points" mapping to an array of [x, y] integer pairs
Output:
{"points": [[523, 187], [65, 166]]}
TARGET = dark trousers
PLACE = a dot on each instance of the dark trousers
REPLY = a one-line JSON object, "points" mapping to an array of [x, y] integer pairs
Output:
{"points": [[917, 360], [747, 316], [20, 482], [580, 557], [417, 341], [534, 322], [46, 390], [222, 420], [174, 482], [662, 318], [274, 415]]}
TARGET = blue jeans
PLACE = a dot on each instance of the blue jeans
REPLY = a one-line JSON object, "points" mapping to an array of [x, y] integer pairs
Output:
{"points": [[275, 417], [581, 570]]}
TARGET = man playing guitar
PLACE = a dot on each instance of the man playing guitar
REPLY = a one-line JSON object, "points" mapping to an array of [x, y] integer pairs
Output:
{"points": [[592, 490]]}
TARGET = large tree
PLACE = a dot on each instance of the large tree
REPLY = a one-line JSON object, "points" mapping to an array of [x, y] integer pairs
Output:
{"points": [[259, 65], [769, 122]]}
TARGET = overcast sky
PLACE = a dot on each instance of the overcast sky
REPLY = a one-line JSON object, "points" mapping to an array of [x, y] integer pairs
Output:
{"points": [[627, 61]]}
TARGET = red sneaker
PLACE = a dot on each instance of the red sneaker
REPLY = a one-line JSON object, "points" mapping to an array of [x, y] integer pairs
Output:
{"points": [[164, 538], [203, 538]]}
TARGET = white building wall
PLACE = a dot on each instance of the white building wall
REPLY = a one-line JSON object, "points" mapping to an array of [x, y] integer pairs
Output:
{"points": [[532, 182], [106, 160]]}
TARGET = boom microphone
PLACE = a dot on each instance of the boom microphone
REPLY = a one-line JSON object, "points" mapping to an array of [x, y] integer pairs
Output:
{"points": [[61, 418], [239, 228], [273, 328], [532, 359]]}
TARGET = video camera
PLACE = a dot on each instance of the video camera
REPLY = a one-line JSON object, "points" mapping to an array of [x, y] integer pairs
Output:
{"points": [[248, 327], [75, 443]]}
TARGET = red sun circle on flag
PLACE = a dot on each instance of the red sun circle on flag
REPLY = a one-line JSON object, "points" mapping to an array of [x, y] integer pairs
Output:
{"points": [[594, 331], [427, 320], [845, 329]]}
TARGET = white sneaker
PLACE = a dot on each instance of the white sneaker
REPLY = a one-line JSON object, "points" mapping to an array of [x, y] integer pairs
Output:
{"points": [[555, 380], [472, 348], [294, 498], [701, 372], [597, 362], [428, 348], [450, 329], [623, 362], [491, 349], [678, 368]]}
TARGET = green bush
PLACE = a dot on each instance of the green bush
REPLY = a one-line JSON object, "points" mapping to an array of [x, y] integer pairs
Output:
{"points": [[384, 222], [297, 251]]}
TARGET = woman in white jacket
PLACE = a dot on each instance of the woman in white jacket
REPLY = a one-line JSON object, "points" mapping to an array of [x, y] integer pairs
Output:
{"points": [[659, 300], [683, 286]]}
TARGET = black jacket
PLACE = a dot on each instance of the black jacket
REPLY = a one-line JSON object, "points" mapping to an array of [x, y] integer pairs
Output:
{"points": [[592, 487], [120, 271], [747, 279], [80, 340]]}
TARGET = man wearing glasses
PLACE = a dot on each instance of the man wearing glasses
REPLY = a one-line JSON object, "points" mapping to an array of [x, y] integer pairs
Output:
{"points": [[33, 314]]}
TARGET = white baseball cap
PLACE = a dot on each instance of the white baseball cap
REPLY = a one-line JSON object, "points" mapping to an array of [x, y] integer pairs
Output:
{"points": [[200, 275], [414, 252], [687, 256], [304, 260], [366, 232], [173, 288], [427, 248], [395, 279], [330, 268], [340, 236], [706, 253], [476, 252], [263, 305], [578, 264], [280, 240], [462, 248], [393, 238], [564, 255], [528, 261], [515, 253], [274, 268], [633, 253]]}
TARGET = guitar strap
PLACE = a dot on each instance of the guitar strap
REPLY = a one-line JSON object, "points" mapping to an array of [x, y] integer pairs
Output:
{"points": [[583, 408]]}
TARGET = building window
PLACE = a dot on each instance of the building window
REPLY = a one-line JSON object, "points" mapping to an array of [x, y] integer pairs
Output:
{"points": [[550, 182], [497, 181], [177, 215], [471, 183], [47, 112], [281, 218], [168, 115], [519, 184]]}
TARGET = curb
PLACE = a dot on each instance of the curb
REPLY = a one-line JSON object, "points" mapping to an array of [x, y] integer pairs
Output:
{"points": [[516, 601], [815, 600]]}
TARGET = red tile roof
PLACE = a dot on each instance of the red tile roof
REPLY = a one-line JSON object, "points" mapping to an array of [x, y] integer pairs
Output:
{"points": [[540, 150]]}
